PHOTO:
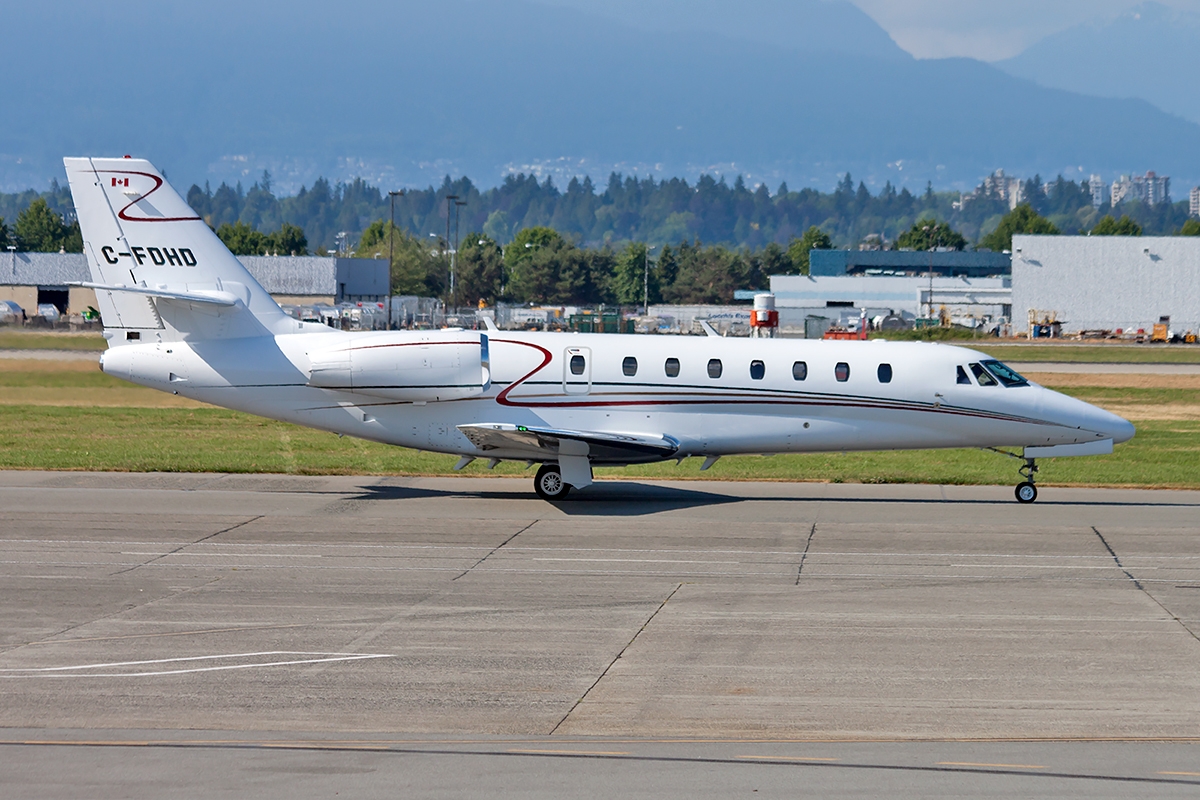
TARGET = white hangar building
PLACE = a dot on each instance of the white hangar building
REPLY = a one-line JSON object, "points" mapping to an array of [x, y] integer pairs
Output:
{"points": [[1107, 282]]}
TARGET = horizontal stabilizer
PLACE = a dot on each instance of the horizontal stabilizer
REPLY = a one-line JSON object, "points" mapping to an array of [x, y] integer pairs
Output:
{"points": [[548, 443], [212, 298]]}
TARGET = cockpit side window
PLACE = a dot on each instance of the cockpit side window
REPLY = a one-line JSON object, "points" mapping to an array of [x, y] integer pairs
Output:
{"points": [[962, 376], [983, 376], [1005, 374]]}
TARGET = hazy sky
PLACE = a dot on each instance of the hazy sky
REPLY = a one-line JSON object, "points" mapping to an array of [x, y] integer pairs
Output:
{"points": [[988, 29]]}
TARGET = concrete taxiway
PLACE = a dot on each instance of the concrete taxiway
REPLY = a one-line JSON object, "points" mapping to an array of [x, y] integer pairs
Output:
{"points": [[288, 634]]}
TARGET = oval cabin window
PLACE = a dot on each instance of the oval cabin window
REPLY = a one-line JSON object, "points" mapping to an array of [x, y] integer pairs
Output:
{"points": [[671, 367], [885, 373], [799, 370], [842, 372], [577, 365], [757, 370], [629, 366], [714, 368]]}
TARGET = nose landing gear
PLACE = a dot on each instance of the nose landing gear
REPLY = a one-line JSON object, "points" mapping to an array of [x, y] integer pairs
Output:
{"points": [[1026, 491]]}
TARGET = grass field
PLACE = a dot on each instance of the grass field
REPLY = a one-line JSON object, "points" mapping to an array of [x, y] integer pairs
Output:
{"points": [[17, 339], [68, 415], [1088, 353]]}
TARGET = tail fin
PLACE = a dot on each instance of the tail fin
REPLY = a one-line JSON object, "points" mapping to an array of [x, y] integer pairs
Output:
{"points": [[158, 269]]}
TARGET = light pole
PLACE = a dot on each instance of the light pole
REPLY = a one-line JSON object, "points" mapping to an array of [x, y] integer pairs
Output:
{"points": [[929, 246], [454, 257], [646, 281], [450, 200], [391, 235]]}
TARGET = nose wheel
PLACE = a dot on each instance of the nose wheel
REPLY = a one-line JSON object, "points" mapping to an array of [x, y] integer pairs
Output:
{"points": [[1026, 491], [549, 483]]}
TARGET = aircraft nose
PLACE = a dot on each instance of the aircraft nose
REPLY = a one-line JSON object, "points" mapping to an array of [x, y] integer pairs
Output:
{"points": [[1075, 413], [1120, 429]]}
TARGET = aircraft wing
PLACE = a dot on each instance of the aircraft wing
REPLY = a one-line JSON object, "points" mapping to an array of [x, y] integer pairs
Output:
{"points": [[547, 443]]}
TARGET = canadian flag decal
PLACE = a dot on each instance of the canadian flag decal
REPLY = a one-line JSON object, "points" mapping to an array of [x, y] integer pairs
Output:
{"points": [[120, 181]]}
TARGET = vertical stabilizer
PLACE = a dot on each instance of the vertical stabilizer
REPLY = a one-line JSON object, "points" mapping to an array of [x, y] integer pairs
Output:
{"points": [[140, 235]]}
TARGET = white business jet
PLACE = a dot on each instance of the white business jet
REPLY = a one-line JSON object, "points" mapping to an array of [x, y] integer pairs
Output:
{"points": [[182, 314]]}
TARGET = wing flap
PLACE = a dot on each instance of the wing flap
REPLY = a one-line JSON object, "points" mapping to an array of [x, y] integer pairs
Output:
{"points": [[548, 443]]}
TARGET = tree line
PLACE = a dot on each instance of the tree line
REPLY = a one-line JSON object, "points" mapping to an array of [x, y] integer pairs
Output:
{"points": [[39, 229], [741, 220], [542, 265], [630, 208]]}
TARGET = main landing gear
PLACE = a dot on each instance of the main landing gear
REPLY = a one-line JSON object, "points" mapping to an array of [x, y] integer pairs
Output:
{"points": [[549, 483], [1026, 492]]}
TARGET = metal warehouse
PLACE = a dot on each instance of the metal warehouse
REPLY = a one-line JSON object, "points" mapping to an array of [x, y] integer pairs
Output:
{"points": [[1093, 283], [33, 278]]}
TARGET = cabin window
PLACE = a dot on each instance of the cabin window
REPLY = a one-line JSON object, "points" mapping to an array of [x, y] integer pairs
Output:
{"points": [[885, 373], [983, 376], [962, 376], [842, 372], [672, 367], [714, 368], [578, 364], [629, 366], [1007, 375], [757, 370], [799, 370]]}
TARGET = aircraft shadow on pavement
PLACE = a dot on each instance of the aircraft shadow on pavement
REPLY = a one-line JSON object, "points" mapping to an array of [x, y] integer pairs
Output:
{"points": [[607, 498], [631, 499]]}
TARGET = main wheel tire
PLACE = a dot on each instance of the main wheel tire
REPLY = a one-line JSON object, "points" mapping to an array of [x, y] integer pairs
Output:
{"points": [[1026, 492], [549, 483]]}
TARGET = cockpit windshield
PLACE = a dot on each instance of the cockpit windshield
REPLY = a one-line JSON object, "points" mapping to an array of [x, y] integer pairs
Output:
{"points": [[1005, 374], [982, 375]]}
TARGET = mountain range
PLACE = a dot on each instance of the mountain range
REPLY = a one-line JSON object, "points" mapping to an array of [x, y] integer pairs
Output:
{"points": [[404, 92], [1147, 52]]}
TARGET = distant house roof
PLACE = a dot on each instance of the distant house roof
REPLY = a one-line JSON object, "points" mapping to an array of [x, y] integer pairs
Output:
{"points": [[316, 276], [954, 262]]}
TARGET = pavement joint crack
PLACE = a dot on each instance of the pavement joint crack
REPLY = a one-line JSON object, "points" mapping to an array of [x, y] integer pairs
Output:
{"points": [[804, 555], [494, 550], [1139, 585], [629, 644], [189, 544]]}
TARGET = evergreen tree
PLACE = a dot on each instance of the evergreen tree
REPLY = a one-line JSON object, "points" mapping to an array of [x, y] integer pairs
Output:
{"points": [[40, 230], [929, 234], [633, 276], [480, 270], [1022, 219], [1108, 226], [798, 249]]}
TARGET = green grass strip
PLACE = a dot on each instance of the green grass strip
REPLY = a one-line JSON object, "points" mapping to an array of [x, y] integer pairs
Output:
{"points": [[1164, 453], [31, 340]]}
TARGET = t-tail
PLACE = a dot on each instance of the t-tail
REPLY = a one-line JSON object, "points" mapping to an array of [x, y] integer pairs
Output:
{"points": [[159, 271]]}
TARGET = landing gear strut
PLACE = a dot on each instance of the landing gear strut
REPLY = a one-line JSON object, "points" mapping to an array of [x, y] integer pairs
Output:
{"points": [[549, 483], [1026, 492]]}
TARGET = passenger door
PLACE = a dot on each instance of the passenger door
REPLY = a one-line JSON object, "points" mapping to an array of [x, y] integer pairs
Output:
{"points": [[577, 370]]}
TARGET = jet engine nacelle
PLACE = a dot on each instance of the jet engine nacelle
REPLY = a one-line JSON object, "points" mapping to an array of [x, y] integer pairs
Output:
{"points": [[407, 366]]}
